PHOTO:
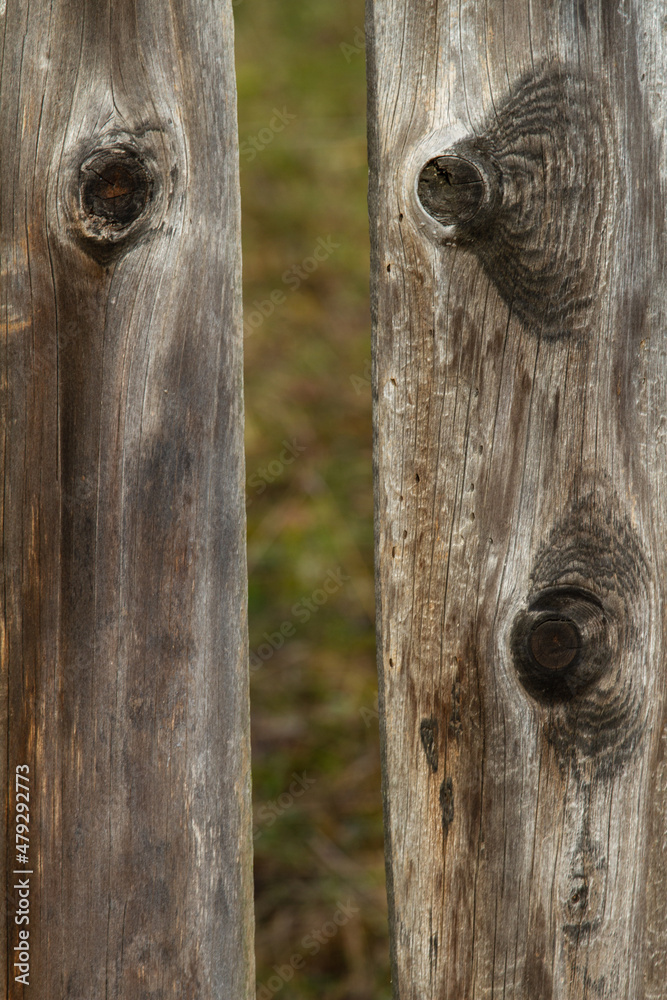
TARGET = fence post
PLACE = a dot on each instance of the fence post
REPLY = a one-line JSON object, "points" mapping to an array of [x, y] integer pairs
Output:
{"points": [[517, 219], [123, 640]]}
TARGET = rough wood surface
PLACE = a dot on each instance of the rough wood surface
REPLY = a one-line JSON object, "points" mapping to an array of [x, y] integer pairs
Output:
{"points": [[520, 352], [123, 628]]}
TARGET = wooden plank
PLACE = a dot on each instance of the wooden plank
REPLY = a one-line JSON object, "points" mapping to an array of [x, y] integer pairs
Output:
{"points": [[124, 586], [517, 218]]}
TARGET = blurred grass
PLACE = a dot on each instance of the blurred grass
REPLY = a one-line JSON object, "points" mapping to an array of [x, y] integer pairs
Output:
{"points": [[301, 84]]}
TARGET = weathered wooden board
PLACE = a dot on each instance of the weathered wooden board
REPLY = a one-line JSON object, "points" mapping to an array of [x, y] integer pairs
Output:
{"points": [[124, 611], [517, 216]]}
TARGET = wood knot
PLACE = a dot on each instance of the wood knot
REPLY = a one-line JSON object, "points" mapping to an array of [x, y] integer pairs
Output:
{"points": [[111, 196], [115, 187], [531, 196], [554, 643], [581, 644], [560, 643], [451, 189]]}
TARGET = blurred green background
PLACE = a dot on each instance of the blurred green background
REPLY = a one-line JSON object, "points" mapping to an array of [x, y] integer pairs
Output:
{"points": [[319, 865]]}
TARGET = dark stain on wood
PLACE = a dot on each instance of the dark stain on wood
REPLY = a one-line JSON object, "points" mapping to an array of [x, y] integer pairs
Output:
{"points": [[433, 952], [538, 975], [455, 714], [582, 14], [428, 733], [447, 804], [597, 988]]}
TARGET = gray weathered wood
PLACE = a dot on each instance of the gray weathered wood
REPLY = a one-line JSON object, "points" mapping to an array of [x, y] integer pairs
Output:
{"points": [[517, 217], [124, 612]]}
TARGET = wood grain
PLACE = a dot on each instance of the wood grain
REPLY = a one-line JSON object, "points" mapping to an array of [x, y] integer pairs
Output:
{"points": [[124, 588], [517, 207]]}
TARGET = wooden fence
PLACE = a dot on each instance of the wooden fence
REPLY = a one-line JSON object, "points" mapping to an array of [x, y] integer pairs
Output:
{"points": [[124, 644], [517, 218], [519, 299]]}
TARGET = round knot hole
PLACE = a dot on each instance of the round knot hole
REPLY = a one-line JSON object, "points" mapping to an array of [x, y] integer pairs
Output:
{"points": [[115, 187], [554, 643], [561, 643], [451, 189]]}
